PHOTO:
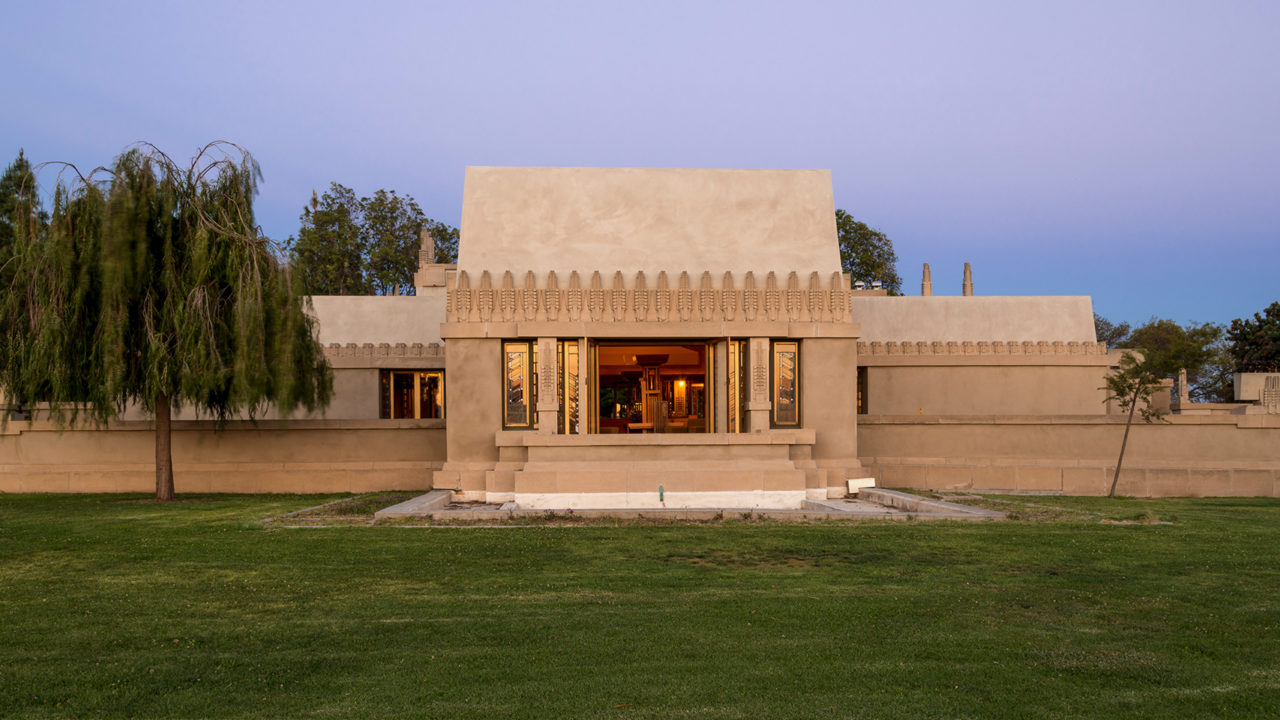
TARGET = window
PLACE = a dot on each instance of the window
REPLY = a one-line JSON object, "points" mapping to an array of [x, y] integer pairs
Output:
{"points": [[520, 394], [736, 386], [785, 374], [412, 394], [568, 385], [862, 391]]}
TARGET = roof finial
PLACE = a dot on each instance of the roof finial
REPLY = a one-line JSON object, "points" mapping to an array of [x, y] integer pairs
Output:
{"points": [[926, 284], [426, 248], [967, 288]]}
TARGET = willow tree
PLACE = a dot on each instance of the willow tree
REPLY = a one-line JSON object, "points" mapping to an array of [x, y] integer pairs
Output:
{"points": [[151, 286]]}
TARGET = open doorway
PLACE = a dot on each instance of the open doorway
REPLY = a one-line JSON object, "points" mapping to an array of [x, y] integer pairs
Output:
{"points": [[653, 387]]}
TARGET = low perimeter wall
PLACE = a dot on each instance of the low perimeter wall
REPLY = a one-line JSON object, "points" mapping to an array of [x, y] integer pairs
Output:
{"points": [[271, 456], [1236, 455]]}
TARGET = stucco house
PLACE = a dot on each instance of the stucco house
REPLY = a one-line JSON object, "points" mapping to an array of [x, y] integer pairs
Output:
{"points": [[624, 337]]}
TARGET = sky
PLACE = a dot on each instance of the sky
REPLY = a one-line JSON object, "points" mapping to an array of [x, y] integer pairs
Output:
{"points": [[1125, 150]]}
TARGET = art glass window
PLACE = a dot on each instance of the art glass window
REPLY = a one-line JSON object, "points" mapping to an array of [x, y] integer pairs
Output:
{"points": [[786, 384]]}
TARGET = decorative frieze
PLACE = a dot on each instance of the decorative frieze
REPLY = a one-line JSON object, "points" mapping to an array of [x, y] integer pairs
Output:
{"points": [[750, 298], [707, 299], [663, 301], [684, 299], [574, 301], [595, 298], [982, 347], [529, 297], [640, 299], [728, 299], [477, 300], [550, 297], [370, 350], [618, 298]]}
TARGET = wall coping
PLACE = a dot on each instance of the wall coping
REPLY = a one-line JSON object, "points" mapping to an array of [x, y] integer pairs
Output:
{"points": [[1242, 421], [526, 438], [17, 427]]}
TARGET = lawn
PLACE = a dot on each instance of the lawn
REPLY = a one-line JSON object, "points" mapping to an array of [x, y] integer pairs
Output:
{"points": [[111, 607]]}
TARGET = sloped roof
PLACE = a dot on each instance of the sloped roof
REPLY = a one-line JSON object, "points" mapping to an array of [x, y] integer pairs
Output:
{"points": [[630, 219]]}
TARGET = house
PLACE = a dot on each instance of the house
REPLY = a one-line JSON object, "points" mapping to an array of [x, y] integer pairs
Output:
{"points": [[636, 337]]}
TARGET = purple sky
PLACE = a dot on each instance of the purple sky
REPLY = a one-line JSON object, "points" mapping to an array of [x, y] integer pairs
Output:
{"points": [[1124, 150]]}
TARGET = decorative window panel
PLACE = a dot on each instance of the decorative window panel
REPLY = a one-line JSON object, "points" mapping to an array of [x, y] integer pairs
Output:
{"points": [[569, 412], [735, 385], [785, 373], [520, 372]]}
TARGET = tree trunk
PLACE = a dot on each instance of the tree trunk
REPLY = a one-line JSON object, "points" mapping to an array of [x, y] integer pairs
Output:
{"points": [[164, 454], [1123, 443]]}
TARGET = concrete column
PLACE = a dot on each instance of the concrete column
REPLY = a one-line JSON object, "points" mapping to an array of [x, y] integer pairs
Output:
{"points": [[719, 387], [758, 402], [548, 397]]}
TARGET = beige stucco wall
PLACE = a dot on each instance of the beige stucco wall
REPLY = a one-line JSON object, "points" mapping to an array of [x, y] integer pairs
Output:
{"points": [[829, 404], [632, 219], [355, 397], [473, 405], [379, 319], [269, 457], [986, 390], [1249, 386], [1003, 319], [1187, 455]]}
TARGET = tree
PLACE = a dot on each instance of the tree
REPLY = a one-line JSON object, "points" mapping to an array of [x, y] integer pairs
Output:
{"points": [[390, 234], [329, 254], [152, 286], [19, 202], [1132, 385], [1255, 343], [867, 254], [1197, 347], [366, 246], [1109, 333]]}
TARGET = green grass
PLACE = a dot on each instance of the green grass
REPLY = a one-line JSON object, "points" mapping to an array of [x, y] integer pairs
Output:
{"points": [[195, 609]]}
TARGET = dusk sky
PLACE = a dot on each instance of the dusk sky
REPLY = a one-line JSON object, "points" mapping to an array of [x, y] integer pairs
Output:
{"points": [[1124, 150]]}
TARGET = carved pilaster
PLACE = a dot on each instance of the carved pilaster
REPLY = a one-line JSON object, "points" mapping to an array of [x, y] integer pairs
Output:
{"points": [[750, 298], [462, 298], [548, 398], [684, 298], [595, 298], [728, 298], [662, 300], [618, 298], [551, 298], [507, 297], [529, 297], [816, 298], [575, 298], [641, 302], [772, 297], [758, 405], [795, 300], [484, 300], [839, 297], [706, 300]]}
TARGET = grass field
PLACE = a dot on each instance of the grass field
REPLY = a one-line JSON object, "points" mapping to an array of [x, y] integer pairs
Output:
{"points": [[111, 607]]}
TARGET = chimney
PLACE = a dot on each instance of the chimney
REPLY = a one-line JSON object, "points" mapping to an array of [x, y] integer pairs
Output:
{"points": [[926, 284], [966, 289]]}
